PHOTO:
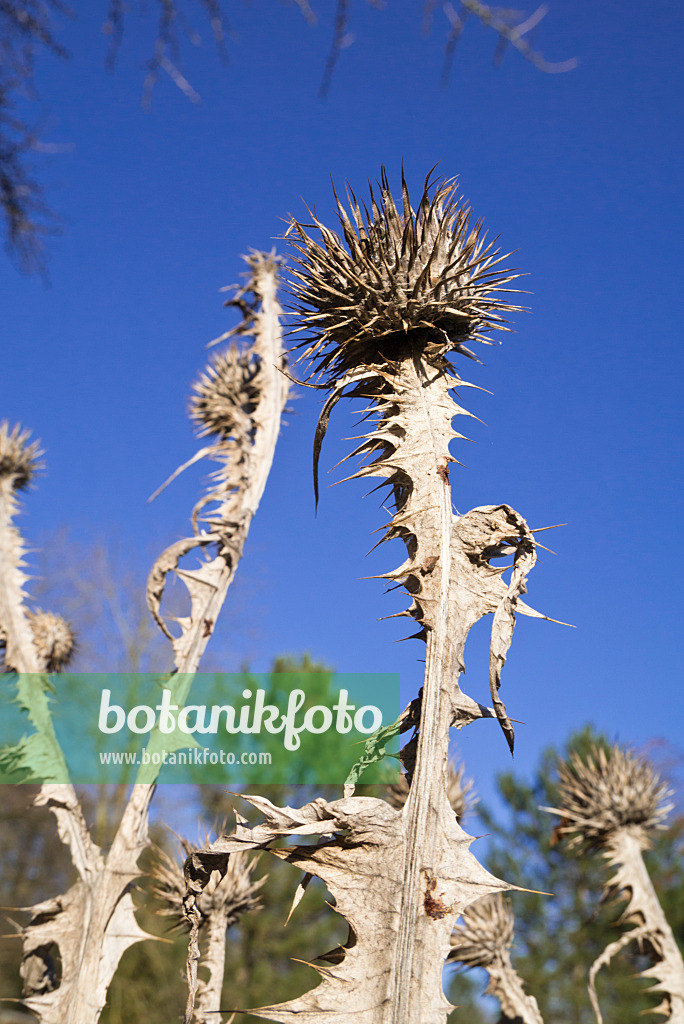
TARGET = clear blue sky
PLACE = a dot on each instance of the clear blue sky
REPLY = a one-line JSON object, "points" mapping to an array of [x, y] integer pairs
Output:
{"points": [[581, 173]]}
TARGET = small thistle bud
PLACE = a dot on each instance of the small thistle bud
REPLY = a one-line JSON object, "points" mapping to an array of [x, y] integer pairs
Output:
{"points": [[486, 934], [54, 638], [609, 791], [428, 275], [459, 792], [226, 394], [19, 460], [228, 897]]}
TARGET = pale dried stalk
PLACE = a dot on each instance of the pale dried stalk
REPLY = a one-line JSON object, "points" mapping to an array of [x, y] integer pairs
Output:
{"points": [[384, 314], [19, 461], [484, 939], [221, 905], [93, 923], [613, 802], [240, 400]]}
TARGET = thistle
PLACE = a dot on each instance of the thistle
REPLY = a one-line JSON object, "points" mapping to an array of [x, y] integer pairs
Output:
{"points": [[384, 307], [227, 898], [383, 315], [612, 803], [230, 892], [236, 402], [19, 459], [54, 639], [459, 791], [225, 395], [484, 939], [426, 279]]}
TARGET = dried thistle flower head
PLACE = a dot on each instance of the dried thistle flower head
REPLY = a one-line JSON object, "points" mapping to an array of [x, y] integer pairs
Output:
{"points": [[19, 460], [228, 897], [226, 394], [54, 639], [459, 791], [486, 934], [427, 275], [609, 791]]}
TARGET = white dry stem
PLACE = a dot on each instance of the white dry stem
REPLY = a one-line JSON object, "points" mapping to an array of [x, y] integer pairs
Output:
{"points": [[384, 312], [20, 652], [484, 940], [221, 905], [362, 864], [248, 391], [613, 801], [239, 400], [460, 793], [93, 923], [623, 851]]}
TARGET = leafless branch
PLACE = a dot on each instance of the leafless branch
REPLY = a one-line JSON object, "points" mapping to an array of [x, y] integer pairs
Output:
{"points": [[509, 30]]}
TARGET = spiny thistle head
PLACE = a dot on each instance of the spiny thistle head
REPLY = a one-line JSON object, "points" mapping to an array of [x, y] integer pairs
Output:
{"points": [[459, 792], [486, 934], [19, 460], [231, 896], [428, 277], [226, 394], [54, 638], [609, 791]]}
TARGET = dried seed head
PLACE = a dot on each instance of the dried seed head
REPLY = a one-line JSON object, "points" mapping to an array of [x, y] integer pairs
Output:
{"points": [[54, 639], [225, 395], [429, 277], [607, 792], [486, 934], [231, 896], [459, 791], [18, 459]]}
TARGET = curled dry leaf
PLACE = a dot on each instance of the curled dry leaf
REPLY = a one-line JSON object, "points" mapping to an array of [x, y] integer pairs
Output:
{"points": [[229, 894], [361, 862]]}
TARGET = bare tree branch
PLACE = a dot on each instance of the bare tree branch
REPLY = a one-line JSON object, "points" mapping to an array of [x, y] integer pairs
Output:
{"points": [[505, 23], [26, 26]]}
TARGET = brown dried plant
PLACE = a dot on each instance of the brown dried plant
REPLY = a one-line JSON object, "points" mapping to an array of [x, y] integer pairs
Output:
{"points": [[484, 939], [385, 306], [94, 922], [460, 793], [223, 902], [237, 401], [611, 803]]}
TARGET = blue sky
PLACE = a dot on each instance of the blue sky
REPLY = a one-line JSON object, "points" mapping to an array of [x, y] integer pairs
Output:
{"points": [[580, 173]]}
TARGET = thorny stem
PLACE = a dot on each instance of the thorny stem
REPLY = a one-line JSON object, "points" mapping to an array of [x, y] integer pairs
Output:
{"points": [[624, 851], [427, 796], [22, 655]]}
